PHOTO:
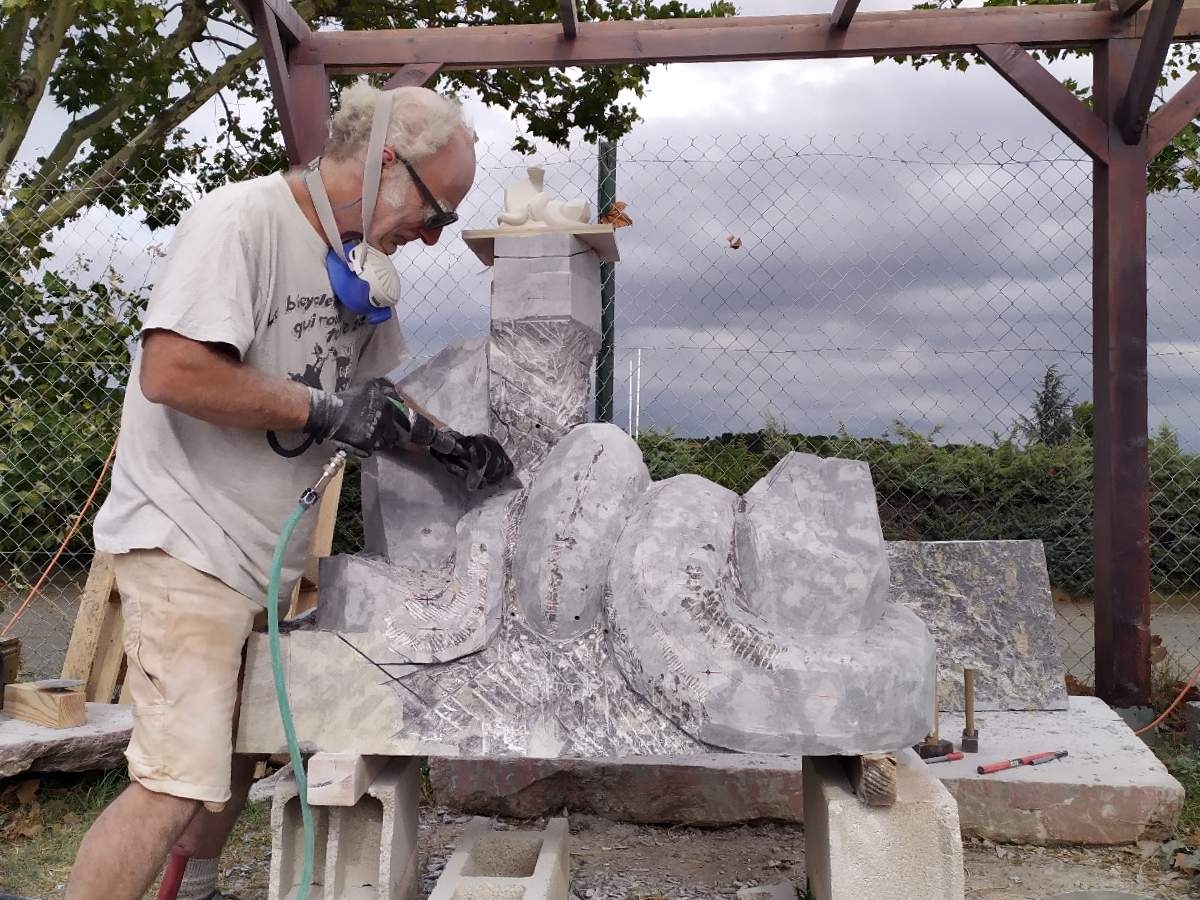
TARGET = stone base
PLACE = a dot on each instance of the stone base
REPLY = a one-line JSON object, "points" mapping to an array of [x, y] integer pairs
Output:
{"points": [[1110, 790], [99, 743], [363, 852], [910, 851], [507, 865]]}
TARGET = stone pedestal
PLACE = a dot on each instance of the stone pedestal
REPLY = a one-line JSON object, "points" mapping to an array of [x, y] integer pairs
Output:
{"points": [[545, 332]]}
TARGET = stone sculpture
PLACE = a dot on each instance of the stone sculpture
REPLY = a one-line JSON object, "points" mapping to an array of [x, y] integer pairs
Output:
{"points": [[592, 613], [528, 205]]}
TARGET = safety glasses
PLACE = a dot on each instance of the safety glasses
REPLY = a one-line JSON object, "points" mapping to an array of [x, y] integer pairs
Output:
{"points": [[440, 217]]}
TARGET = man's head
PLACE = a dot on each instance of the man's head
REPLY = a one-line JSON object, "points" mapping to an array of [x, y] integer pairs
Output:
{"points": [[426, 130]]}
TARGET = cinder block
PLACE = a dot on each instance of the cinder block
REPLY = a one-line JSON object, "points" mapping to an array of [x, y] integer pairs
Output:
{"points": [[363, 852], [530, 246], [287, 844], [910, 851], [548, 287], [507, 865]]}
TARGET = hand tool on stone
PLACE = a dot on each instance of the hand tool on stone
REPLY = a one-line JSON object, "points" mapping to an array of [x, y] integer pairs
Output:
{"points": [[445, 443], [1033, 759], [970, 735]]}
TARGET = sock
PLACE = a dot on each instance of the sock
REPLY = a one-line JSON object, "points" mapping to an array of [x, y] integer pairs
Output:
{"points": [[199, 879]]}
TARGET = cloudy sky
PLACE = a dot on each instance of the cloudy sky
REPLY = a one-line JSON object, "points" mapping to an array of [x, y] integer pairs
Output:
{"points": [[915, 245]]}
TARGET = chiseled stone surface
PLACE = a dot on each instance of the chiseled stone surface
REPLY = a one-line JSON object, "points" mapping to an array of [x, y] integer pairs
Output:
{"points": [[411, 505], [687, 641], [988, 606], [1110, 789], [99, 743], [584, 492], [810, 547]]}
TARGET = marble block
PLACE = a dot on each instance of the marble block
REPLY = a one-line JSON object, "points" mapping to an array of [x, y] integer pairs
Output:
{"points": [[557, 287], [688, 641], [539, 244], [988, 606]]}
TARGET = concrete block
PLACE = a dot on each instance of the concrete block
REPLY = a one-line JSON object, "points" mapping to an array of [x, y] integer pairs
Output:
{"points": [[550, 287], [99, 743], [1110, 789], [910, 851], [287, 844], [532, 246], [363, 852], [507, 865]]}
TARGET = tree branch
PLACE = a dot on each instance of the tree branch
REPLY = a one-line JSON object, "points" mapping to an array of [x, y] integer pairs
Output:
{"points": [[31, 84], [190, 29], [34, 224]]}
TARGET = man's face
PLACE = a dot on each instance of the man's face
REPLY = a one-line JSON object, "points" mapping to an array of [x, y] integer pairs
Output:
{"points": [[448, 175]]}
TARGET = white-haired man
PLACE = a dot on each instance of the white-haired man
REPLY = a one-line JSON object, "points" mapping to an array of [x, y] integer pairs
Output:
{"points": [[268, 332]]}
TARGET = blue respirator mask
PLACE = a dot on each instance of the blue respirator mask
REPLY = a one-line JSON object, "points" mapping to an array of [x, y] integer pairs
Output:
{"points": [[363, 278]]}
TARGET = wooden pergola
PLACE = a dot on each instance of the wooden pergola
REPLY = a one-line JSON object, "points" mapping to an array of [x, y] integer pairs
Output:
{"points": [[1129, 45]]}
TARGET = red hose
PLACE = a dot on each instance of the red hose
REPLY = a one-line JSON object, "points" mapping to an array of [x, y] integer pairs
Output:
{"points": [[172, 876]]}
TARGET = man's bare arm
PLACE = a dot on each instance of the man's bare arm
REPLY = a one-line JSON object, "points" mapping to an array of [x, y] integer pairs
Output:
{"points": [[204, 382]]}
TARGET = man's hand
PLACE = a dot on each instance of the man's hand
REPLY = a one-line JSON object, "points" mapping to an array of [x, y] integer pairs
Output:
{"points": [[478, 459], [363, 419]]}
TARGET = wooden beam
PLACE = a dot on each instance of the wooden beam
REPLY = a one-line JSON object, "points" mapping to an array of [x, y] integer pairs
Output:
{"points": [[57, 703], [1134, 108], [340, 779], [301, 90], [843, 13], [294, 29], [568, 17], [1126, 8], [1121, 523], [414, 75], [734, 38], [1049, 96], [97, 604], [1173, 116]]}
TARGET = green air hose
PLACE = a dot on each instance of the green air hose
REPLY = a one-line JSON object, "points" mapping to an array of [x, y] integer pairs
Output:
{"points": [[307, 500]]}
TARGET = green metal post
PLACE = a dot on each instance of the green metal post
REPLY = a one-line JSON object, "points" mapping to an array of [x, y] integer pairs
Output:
{"points": [[606, 194]]}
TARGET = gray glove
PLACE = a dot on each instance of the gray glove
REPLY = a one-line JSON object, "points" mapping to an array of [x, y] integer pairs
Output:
{"points": [[363, 419], [478, 459]]}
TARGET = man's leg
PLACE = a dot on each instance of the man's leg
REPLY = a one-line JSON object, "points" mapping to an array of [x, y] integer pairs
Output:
{"points": [[207, 833], [124, 850]]}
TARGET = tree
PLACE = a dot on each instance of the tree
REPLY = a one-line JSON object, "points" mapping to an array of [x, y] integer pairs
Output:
{"points": [[1177, 166], [1050, 422], [129, 72]]}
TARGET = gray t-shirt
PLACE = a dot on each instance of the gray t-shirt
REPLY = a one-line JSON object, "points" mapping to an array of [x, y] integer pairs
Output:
{"points": [[246, 269]]}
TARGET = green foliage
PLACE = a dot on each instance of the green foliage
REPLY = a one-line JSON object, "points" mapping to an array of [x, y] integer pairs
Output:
{"points": [[1176, 167], [1050, 421], [61, 385], [933, 492]]}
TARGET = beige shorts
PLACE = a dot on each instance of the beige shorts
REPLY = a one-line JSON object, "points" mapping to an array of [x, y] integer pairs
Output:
{"points": [[185, 632]]}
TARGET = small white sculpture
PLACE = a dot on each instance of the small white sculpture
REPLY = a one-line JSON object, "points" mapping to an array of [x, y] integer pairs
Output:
{"points": [[527, 205]]}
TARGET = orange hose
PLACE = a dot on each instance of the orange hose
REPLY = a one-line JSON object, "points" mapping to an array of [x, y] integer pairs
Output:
{"points": [[63, 546], [1174, 703]]}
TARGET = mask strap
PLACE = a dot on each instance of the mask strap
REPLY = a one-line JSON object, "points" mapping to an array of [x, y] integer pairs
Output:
{"points": [[374, 164], [316, 190]]}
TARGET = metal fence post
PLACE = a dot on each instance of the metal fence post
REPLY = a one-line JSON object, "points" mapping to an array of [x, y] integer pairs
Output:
{"points": [[606, 195]]}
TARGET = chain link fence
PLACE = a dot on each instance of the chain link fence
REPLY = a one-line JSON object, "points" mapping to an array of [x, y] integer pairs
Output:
{"points": [[901, 300]]}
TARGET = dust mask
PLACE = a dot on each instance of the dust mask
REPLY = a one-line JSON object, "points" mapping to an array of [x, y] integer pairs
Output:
{"points": [[363, 278]]}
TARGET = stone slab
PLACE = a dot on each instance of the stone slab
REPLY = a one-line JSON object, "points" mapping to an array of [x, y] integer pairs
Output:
{"points": [[548, 287], [99, 743], [713, 789], [909, 851], [988, 606], [784, 890], [1191, 719], [1111, 788]]}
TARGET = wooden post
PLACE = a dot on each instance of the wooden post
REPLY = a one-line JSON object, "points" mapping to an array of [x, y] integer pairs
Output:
{"points": [[1119, 384]]}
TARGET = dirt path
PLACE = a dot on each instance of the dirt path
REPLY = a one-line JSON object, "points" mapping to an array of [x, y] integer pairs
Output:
{"points": [[615, 861]]}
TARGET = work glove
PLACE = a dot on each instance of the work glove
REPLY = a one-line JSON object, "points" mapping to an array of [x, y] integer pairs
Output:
{"points": [[363, 419], [478, 459]]}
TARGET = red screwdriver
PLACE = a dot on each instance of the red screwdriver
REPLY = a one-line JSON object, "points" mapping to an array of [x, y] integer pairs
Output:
{"points": [[1034, 759]]}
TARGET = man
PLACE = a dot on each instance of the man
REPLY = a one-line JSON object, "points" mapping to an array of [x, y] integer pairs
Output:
{"points": [[262, 349]]}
